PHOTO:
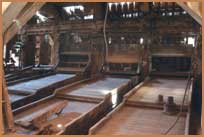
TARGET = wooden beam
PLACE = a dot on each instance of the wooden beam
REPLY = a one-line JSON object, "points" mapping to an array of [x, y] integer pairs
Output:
{"points": [[10, 12], [22, 15], [25, 15], [5, 5], [7, 112], [194, 9]]}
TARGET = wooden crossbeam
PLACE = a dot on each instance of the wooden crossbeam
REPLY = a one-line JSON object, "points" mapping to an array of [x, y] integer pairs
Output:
{"points": [[194, 9], [10, 12], [25, 15]]}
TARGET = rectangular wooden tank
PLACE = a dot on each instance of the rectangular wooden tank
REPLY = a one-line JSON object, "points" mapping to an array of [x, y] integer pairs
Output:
{"points": [[140, 112]]}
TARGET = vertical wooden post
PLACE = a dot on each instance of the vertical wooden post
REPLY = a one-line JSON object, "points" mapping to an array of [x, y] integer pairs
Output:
{"points": [[7, 115], [23, 12], [54, 58]]}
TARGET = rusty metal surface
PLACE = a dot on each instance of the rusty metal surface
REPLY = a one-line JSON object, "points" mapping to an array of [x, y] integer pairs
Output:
{"points": [[135, 120], [98, 89], [33, 85]]}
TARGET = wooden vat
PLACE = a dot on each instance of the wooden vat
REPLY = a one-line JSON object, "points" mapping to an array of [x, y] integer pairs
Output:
{"points": [[77, 115], [86, 105], [29, 91], [140, 112], [26, 92], [97, 88]]}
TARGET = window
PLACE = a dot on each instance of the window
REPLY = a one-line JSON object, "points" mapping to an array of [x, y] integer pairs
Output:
{"points": [[4, 54], [89, 17], [71, 9], [191, 41], [109, 40], [141, 40], [41, 17], [184, 12]]}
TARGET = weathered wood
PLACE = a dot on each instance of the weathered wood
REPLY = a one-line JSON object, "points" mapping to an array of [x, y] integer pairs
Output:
{"points": [[148, 93], [123, 58], [42, 115], [75, 66], [44, 91], [139, 121], [5, 5], [71, 112], [100, 123], [35, 85], [23, 79], [80, 122], [8, 116], [125, 26], [194, 9], [13, 29], [189, 113], [84, 122], [98, 89], [21, 19], [10, 13]]}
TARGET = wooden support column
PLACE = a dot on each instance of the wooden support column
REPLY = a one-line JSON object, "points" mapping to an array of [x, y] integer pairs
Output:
{"points": [[11, 11], [38, 42], [10, 28], [7, 112], [55, 47]]}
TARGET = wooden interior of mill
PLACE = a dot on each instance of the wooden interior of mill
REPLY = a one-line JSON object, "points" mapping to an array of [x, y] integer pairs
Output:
{"points": [[82, 68]]}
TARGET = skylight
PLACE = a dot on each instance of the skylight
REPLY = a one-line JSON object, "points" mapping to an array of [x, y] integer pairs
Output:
{"points": [[191, 41], [71, 9], [41, 17], [88, 17], [141, 40]]}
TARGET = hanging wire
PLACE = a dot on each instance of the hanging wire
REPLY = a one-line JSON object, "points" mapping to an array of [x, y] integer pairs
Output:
{"points": [[104, 33]]}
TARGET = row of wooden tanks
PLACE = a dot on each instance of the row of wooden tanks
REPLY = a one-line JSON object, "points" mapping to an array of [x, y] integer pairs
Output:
{"points": [[107, 104]]}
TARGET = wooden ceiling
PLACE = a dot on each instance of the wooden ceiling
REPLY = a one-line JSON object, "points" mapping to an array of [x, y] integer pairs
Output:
{"points": [[22, 12]]}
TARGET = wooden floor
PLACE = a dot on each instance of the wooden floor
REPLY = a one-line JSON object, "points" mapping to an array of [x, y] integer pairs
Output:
{"points": [[72, 110], [145, 119], [97, 89], [135, 120], [32, 86], [149, 92]]}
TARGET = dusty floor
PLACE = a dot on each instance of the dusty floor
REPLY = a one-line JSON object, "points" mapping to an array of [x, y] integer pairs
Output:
{"points": [[134, 120], [149, 92]]}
